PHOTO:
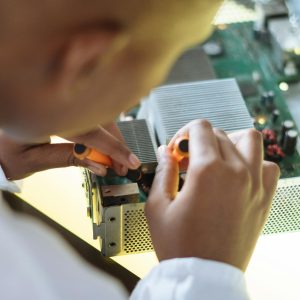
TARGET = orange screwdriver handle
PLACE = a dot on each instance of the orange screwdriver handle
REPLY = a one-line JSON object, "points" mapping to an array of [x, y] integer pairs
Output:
{"points": [[82, 152], [181, 148]]}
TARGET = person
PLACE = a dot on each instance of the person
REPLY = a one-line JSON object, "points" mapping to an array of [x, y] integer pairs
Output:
{"points": [[69, 68]]}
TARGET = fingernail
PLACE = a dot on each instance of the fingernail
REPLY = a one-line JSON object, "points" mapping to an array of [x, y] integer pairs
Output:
{"points": [[134, 161]]}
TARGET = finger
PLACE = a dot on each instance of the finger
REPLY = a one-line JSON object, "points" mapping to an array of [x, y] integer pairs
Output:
{"points": [[271, 174], [236, 136], [250, 146], [165, 184], [203, 142], [93, 166], [97, 169], [101, 140], [181, 132], [120, 169], [203, 145], [227, 148]]}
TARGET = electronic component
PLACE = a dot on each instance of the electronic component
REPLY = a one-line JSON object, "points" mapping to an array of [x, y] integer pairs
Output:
{"points": [[286, 126], [294, 8], [267, 100], [266, 11], [290, 141], [260, 121], [213, 48], [119, 194], [274, 153], [248, 88], [270, 105], [275, 115], [269, 137], [285, 42], [219, 101], [264, 98], [193, 65]]}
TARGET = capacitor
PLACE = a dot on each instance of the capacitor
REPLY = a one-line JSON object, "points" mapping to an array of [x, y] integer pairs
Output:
{"points": [[286, 126], [257, 109], [213, 48], [264, 98], [271, 96], [275, 115], [270, 101], [267, 100], [290, 141], [256, 76]]}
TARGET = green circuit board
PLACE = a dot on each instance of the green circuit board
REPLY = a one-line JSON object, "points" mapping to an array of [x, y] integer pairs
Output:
{"points": [[253, 65]]}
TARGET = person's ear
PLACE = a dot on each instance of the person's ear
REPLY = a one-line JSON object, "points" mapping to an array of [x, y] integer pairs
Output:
{"points": [[85, 51]]}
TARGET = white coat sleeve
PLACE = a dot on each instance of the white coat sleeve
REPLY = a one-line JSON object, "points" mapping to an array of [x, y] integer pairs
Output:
{"points": [[7, 185], [192, 278]]}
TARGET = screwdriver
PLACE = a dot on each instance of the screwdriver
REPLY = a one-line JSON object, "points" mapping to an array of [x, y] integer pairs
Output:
{"points": [[181, 148], [81, 152]]}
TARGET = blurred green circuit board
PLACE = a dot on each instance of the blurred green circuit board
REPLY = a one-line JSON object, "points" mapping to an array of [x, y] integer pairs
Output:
{"points": [[242, 56]]}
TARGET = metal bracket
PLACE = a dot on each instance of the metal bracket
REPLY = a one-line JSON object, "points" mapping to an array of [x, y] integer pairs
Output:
{"points": [[98, 231]]}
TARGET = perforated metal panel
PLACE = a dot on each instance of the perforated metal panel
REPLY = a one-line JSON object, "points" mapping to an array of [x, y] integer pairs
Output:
{"points": [[285, 212], [129, 232], [136, 236]]}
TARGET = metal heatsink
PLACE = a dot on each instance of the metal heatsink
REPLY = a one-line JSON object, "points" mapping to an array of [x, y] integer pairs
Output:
{"points": [[171, 107], [141, 142]]}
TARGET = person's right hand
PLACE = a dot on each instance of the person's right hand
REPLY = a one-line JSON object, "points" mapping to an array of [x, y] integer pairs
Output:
{"points": [[225, 200]]}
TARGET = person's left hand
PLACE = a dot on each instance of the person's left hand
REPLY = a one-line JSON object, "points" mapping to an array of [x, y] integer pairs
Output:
{"points": [[19, 160]]}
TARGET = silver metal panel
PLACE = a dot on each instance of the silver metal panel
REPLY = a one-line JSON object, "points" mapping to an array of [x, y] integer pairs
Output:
{"points": [[128, 233], [219, 101], [136, 235], [140, 140], [126, 230], [285, 212], [111, 239]]}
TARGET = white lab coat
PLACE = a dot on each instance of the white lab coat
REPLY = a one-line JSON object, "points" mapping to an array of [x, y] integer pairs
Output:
{"points": [[35, 263]]}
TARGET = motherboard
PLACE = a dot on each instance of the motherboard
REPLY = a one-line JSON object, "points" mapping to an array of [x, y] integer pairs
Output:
{"points": [[236, 52]]}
